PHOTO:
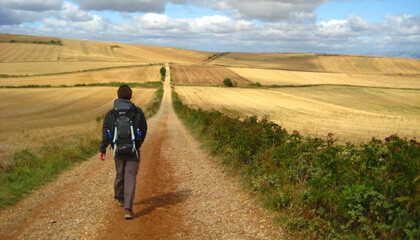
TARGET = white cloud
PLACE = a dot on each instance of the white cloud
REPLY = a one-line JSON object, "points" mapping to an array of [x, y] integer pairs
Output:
{"points": [[158, 22], [73, 13], [403, 24], [267, 10], [334, 28], [212, 24], [357, 24]]}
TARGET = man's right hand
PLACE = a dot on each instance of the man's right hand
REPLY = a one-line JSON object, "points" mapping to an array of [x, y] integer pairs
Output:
{"points": [[102, 156]]}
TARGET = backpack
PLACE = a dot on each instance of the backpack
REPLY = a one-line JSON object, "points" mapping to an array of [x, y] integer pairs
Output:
{"points": [[125, 116]]}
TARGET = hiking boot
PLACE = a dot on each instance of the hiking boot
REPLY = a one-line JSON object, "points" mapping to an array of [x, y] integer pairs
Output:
{"points": [[129, 214], [120, 203]]}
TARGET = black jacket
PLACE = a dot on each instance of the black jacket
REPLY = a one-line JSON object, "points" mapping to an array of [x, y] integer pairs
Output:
{"points": [[108, 124]]}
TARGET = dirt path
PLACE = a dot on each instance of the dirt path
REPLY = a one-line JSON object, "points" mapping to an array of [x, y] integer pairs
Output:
{"points": [[181, 194]]}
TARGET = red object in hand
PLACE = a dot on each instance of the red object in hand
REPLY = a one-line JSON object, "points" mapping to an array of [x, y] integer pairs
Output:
{"points": [[102, 156]]}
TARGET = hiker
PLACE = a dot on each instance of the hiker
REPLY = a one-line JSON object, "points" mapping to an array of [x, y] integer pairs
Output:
{"points": [[125, 128]]}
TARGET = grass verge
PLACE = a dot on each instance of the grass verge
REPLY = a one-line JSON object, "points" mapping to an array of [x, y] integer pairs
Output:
{"points": [[319, 189], [34, 168], [153, 108]]}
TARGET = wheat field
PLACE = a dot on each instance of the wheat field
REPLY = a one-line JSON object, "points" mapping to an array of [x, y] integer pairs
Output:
{"points": [[321, 63], [282, 77], [353, 114], [92, 51], [38, 68], [127, 75], [31, 118], [205, 75]]}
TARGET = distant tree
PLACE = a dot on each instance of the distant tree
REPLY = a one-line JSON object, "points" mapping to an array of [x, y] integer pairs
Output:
{"points": [[227, 82], [162, 73]]}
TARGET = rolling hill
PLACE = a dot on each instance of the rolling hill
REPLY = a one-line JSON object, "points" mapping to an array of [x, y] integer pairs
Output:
{"points": [[19, 48], [320, 63]]}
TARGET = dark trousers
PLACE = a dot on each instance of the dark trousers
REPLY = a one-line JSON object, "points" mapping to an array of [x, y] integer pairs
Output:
{"points": [[127, 166]]}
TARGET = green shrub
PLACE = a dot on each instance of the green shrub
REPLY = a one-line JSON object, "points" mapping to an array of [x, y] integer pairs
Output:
{"points": [[162, 73], [227, 82], [114, 46]]}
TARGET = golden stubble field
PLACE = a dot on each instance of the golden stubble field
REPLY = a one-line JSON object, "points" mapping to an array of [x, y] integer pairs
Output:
{"points": [[91, 51], [31, 118], [282, 77], [128, 75], [205, 75], [353, 114], [38, 68], [320, 63]]}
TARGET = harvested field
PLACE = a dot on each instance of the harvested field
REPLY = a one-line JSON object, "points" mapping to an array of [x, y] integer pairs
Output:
{"points": [[321, 63], [154, 54], [26, 52], [127, 75], [4, 37], [282, 77], [32, 118], [351, 113], [34, 68], [92, 51], [205, 75]]}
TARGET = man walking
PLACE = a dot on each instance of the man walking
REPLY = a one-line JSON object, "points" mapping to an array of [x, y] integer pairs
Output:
{"points": [[125, 128]]}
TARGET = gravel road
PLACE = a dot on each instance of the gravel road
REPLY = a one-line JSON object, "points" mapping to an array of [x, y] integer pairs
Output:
{"points": [[182, 193]]}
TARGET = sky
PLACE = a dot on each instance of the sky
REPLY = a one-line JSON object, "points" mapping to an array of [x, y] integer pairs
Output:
{"points": [[361, 27]]}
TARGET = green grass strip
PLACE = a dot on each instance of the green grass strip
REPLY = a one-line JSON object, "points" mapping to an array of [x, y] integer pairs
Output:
{"points": [[153, 108], [34, 168]]}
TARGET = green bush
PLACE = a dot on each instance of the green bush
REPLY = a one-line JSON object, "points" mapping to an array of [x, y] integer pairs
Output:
{"points": [[162, 73], [326, 190], [227, 82]]}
